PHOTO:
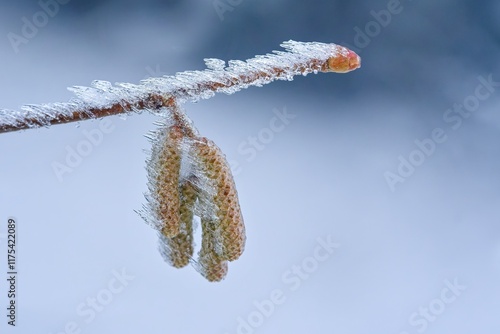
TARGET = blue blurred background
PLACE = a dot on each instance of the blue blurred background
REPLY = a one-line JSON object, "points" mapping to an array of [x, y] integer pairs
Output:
{"points": [[416, 214]]}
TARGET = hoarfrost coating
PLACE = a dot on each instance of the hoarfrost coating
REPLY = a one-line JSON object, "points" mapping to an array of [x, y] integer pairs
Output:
{"points": [[154, 94]]}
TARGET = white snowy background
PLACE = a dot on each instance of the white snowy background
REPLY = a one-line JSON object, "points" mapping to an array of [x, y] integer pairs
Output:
{"points": [[322, 175]]}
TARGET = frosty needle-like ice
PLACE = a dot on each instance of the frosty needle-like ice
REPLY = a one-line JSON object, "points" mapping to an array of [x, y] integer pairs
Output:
{"points": [[104, 99]]}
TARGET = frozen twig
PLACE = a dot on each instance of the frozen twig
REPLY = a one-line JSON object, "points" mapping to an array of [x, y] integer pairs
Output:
{"points": [[188, 175], [155, 94]]}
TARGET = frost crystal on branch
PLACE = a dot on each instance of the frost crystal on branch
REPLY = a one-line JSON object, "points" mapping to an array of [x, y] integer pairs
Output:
{"points": [[104, 99]]}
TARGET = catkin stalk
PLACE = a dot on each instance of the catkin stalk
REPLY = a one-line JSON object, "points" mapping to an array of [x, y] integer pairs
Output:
{"points": [[230, 226], [179, 249], [212, 266], [167, 182]]}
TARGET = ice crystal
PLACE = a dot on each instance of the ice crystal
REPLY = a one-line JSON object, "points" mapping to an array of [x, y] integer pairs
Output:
{"points": [[215, 64]]}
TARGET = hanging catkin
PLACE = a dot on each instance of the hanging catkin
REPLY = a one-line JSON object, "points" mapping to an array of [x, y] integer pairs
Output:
{"points": [[229, 221]]}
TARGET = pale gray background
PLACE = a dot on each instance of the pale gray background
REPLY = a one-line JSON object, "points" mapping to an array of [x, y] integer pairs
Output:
{"points": [[322, 175]]}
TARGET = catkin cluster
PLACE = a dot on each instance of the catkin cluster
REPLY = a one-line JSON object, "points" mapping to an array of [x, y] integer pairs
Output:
{"points": [[189, 176]]}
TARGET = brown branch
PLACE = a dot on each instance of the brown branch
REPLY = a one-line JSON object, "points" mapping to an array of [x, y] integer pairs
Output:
{"points": [[152, 102]]}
